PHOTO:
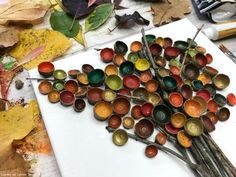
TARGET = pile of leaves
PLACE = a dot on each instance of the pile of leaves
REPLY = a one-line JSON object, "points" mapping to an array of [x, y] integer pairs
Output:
{"points": [[14, 15], [95, 12]]}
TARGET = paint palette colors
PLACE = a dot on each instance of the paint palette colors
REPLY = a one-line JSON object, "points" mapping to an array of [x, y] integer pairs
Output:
{"points": [[84, 148]]}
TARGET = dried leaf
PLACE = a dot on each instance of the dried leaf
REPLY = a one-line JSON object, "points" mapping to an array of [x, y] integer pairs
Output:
{"points": [[37, 141], [99, 16], [13, 164], [128, 21], [22, 11], [171, 10], [61, 21], [8, 36], [17, 122], [2, 105], [5, 79], [55, 44]]}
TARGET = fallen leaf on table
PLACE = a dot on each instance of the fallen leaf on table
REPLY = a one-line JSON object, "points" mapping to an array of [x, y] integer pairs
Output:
{"points": [[128, 21], [171, 10], [8, 36], [61, 21], [32, 41], [22, 11], [13, 164], [80, 38], [5, 79], [37, 141], [16, 123], [99, 16]]}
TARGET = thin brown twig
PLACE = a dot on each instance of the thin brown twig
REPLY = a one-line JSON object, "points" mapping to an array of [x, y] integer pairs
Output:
{"points": [[219, 154], [164, 149], [148, 50], [190, 44]]}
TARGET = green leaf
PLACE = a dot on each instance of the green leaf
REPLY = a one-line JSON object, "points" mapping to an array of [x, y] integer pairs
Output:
{"points": [[98, 16], [9, 65], [60, 21]]}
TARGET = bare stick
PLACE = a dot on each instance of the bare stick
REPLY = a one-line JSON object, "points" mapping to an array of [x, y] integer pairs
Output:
{"points": [[164, 149], [190, 44], [206, 157], [39, 79], [219, 154], [148, 50]]}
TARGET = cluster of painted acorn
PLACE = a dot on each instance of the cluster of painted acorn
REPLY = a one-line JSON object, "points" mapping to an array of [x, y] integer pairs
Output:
{"points": [[169, 101]]}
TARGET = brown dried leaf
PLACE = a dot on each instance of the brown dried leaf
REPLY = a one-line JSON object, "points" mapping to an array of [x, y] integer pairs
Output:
{"points": [[171, 10], [36, 142], [22, 11], [8, 36], [16, 123], [5, 79], [13, 164]]}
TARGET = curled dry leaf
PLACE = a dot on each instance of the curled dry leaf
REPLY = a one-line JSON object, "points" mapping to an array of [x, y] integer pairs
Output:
{"points": [[22, 11], [128, 21], [8, 36], [41, 45], [171, 10]]}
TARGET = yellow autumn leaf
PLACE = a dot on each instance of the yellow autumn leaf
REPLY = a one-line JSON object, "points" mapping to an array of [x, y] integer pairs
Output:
{"points": [[80, 38], [16, 123], [40, 45]]}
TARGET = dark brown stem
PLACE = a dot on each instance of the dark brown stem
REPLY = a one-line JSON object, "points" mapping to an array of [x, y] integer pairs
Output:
{"points": [[154, 66], [220, 156], [170, 138], [206, 157], [190, 44], [97, 49], [15, 70], [110, 30], [182, 150], [198, 158], [164, 149], [39, 79], [216, 162]]}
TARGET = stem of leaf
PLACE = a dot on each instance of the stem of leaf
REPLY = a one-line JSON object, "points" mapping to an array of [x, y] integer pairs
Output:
{"points": [[110, 30], [73, 21]]}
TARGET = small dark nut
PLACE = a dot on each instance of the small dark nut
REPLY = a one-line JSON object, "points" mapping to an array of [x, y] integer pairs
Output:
{"points": [[19, 84]]}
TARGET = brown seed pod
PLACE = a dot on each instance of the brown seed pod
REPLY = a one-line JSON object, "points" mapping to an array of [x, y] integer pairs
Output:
{"points": [[128, 122], [161, 138], [151, 151]]}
